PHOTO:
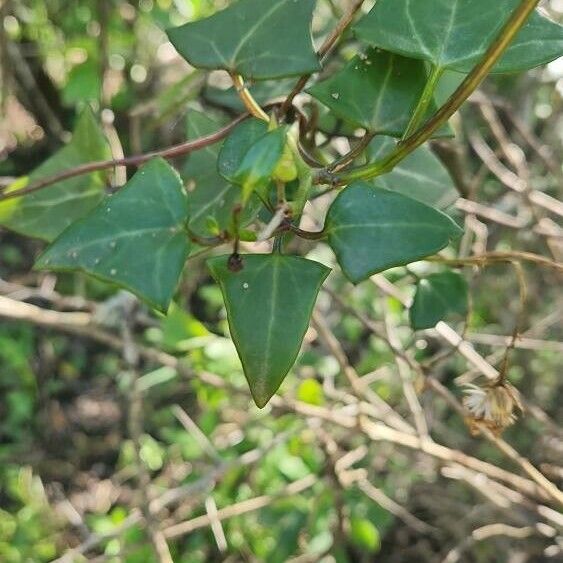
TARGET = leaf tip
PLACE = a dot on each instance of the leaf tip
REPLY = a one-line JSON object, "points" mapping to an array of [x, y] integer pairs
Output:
{"points": [[261, 401]]}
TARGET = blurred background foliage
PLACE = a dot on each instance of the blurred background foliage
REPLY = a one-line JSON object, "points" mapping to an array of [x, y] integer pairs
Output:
{"points": [[72, 468]]}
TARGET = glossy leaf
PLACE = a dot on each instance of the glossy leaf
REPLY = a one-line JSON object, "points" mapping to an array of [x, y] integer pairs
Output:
{"points": [[46, 213], [435, 297], [373, 229], [378, 91], [269, 304], [260, 162], [135, 239], [456, 33], [258, 39], [421, 175], [237, 144]]}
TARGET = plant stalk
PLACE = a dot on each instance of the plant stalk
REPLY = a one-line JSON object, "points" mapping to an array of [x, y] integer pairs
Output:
{"points": [[424, 102], [248, 100]]}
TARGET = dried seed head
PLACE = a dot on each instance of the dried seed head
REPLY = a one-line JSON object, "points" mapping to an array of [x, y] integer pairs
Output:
{"points": [[492, 405]]}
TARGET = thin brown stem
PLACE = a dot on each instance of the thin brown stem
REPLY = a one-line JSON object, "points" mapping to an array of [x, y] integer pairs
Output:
{"points": [[350, 156], [309, 235], [136, 160], [323, 51]]}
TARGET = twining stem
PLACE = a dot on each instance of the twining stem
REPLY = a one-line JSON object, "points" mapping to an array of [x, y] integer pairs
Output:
{"points": [[346, 159], [425, 100], [247, 98], [440, 118], [136, 160], [209, 242], [308, 235], [323, 51]]}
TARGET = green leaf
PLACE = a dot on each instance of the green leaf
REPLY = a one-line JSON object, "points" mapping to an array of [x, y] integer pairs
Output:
{"points": [[134, 239], [258, 39], [435, 297], [211, 197], [377, 91], [180, 329], [258, 165], [46, 213], [455, 34], [83, 84], [421, 175], [364, 534], [269, 304], [373, 229], [237, 144]]}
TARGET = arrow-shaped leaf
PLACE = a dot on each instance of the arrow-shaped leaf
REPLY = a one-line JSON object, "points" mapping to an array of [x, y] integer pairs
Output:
{"points": [[135, 239], [377, 91], [46, 213], [258, 39], [456, 33], [372, 229], [435, 297], [269, 304]]}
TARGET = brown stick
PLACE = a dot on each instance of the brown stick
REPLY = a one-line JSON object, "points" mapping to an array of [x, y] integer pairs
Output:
{"points": [[170, 152]]}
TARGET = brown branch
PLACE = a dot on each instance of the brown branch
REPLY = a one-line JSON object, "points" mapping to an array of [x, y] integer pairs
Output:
{"points": [[136, 160]]}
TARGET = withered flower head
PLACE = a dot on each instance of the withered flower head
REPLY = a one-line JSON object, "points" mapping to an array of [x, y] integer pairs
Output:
{"points": [[491, 405]]}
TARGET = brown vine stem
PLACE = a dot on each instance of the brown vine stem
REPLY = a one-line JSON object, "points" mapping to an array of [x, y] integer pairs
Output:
{"points": [[440, 118], [309, 235], [489, 257], [135, 160], [349, 157], [323, 51]]}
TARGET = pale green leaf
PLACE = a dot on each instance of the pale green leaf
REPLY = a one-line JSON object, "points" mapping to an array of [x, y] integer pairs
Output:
{"points": [[258, 165], [237, 144]]}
